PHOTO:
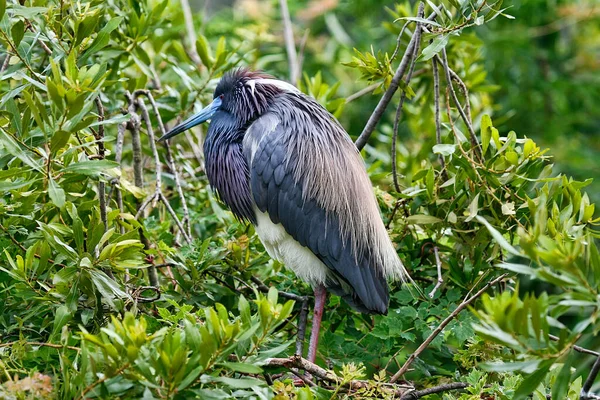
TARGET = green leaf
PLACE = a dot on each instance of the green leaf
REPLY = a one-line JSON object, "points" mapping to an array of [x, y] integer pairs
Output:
{"points": [[2, 8], [90, 167], [56, 193], [486, 132], [204, 51], [422, 219], [12, 147], [245, 368], [424, 21], [17, 32], [444, 149], [103, 37], [532, 381], [498, 237], [561, 383], [435, 47], [245, 383]]}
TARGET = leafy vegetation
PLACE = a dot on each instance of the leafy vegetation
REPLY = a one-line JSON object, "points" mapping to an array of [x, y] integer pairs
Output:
{"points": [[122, 276]]}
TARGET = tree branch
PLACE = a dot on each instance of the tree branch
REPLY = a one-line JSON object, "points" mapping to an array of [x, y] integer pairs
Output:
{"points": [[417, 394], [441, 327], [290, 44], [389, 93]]}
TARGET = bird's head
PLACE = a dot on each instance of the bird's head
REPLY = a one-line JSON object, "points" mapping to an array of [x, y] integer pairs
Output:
{"points": [[241, 95]]}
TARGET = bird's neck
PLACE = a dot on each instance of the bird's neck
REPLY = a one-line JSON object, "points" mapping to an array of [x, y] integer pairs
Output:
{"points": [[228, 173]]}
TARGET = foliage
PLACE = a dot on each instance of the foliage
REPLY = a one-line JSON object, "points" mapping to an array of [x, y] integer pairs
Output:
{"points": [[87, 223]]}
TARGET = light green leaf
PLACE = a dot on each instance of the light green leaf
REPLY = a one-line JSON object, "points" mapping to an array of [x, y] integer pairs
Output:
{"points": [[422, 219], [56, 193], [498, 237]]}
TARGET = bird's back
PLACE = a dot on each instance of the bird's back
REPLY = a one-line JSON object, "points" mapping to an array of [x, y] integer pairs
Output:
{"points": [[308, 177]]}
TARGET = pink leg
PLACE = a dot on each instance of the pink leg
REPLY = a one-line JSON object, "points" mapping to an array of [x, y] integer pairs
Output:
{"points": [[320, 298]]}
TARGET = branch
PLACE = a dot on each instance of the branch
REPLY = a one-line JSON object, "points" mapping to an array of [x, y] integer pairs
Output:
{"points": [[585, 390], [290, 44], [387, 96], [413, 60], [417, 394], [191, 32], [577, 348], [465, 117], [326, 375], [301, 328], [441, 327], [438, 124], [440, 279]]}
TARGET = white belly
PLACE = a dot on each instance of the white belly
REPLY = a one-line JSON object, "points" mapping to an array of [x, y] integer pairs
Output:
{"points": [[284, 248]]}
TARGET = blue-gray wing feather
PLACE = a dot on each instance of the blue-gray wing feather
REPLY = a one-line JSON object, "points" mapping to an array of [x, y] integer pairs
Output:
{"points": [[279, 193]]}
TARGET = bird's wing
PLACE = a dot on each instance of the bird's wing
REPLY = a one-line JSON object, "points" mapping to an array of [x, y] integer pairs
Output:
{"points": [[315, 185]]}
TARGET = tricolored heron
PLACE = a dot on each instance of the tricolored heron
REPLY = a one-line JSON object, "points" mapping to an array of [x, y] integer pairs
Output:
{"points": [[279, 160]]}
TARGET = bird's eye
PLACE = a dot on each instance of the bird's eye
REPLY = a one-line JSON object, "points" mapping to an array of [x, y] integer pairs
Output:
{"points": [[221, 96]]}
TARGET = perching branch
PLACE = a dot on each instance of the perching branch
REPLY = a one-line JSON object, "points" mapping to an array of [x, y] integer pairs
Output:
{"points": [[293, 362], [417, 394], [389, 93], [441, 327], [290, 44], [413, 60]]}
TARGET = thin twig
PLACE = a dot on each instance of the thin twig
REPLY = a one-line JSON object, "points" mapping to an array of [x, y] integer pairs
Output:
{"points": [[290, 45], [461, 111], [99, 381], [170, 161], [389, 93], [265, 289], [191, 32], [441, 327], [23, 248], [326, 375], [362, 92], [577, 348], [590, 379], [301, 328], [413, 60], [99, 136], [52, 345], [438, 123], [5, 63], [417, 394], [440, 279]]}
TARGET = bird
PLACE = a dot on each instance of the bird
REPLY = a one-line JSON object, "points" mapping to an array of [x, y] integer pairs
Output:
{"points": [[281, 161]]}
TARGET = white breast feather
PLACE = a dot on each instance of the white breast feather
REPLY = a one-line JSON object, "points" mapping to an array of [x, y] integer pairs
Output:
{"points": [[284, 248]]}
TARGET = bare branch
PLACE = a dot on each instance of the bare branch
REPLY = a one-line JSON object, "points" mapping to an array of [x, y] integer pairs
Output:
{"points": [[186, 213], [441, 327], [438, 264], [191, 32], [413, 60], [362, 92], [301, 328], [436, 101], [465, 117], [577, 348], [290, 44], [417, 394], [585, 390], [389, 93]]}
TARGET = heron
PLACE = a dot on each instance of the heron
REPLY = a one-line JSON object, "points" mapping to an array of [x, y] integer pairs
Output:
{"points": [[282, 162]]}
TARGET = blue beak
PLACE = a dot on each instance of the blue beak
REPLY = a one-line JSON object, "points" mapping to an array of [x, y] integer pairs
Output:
{"points": [[194, 120]]}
